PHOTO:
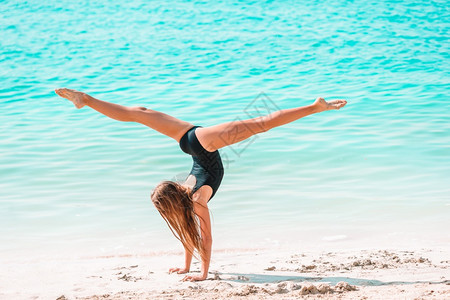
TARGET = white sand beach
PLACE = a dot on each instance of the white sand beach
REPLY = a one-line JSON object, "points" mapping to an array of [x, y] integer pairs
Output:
{"points": [[237, 274]]}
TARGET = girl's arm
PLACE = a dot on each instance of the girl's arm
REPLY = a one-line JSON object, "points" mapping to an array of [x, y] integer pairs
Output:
{"points": [[187, 264], [201, 210]]}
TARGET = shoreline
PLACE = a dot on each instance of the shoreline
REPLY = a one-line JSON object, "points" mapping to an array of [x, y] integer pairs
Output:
{"points": [[278, 273]]}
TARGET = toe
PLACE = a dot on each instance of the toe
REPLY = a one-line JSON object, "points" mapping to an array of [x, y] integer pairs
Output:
{"points": [[58, 92], [63, 92]]}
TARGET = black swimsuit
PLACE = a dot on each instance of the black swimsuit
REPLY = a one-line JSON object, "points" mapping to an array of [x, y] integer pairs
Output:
{"points": [[207, 167]]}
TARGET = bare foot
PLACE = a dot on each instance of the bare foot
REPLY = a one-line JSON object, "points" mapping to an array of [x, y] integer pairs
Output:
{"points": [[323, 105], [77, 98]]}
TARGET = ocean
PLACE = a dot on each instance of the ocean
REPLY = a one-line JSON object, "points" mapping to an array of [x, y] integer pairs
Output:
{"points": [[377, 172]]}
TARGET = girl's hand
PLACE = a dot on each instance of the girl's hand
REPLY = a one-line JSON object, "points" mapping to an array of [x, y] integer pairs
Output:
{"points": [[178, 270], [194, 278]]}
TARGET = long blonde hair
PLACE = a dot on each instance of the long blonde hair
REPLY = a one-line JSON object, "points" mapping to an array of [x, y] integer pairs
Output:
{"points": [[174, 203]]}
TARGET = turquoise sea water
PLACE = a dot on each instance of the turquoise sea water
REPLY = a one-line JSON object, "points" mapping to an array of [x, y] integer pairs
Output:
{"points": [[376, 172]]}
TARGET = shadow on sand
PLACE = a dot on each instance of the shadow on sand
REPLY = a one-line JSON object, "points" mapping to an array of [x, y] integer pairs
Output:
{"points": [[263, 278]]}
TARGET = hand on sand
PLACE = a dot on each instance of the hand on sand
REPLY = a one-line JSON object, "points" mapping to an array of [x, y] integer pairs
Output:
{"points": [[194, 278], [178, 270], [323, 105], [77, 98]]}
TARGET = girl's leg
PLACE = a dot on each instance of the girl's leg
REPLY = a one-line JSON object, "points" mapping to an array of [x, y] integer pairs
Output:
{"points": [[218, 136], [159, 121]]}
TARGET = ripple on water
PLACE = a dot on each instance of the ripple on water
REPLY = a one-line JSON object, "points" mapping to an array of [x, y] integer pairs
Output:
{"points": [[73, 175]]}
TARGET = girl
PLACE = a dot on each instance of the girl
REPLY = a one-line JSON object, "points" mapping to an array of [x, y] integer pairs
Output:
{"points": [[185, 206]]}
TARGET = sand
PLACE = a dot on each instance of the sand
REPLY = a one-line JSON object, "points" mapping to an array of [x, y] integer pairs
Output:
{"points": [[236, 274]]}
